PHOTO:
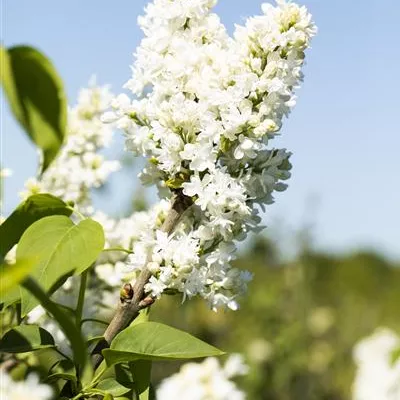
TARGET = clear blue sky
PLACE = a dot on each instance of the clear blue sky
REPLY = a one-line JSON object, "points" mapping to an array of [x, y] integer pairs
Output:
{"points": [[344, 131]]}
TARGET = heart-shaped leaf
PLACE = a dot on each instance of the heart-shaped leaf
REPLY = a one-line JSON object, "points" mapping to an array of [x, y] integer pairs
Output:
{"points": [[155, 341], [36, 96], [57, 246], [24, 338]]}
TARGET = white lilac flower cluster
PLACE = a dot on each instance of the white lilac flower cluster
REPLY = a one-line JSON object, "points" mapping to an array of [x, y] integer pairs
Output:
{"points": [[378, 374], [79, 167], [72, 179], [111, 267], [207, 106], [205, 381], [31, 388]]}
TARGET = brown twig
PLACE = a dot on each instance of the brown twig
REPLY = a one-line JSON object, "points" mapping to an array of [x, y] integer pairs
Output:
{"points": [[132, 302]]}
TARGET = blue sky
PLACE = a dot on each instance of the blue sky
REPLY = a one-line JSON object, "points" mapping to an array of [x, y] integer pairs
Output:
{"points": [[344, 132]]}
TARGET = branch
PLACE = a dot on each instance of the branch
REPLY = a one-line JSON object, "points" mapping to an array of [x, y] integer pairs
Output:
{"points": [[131, 303]]}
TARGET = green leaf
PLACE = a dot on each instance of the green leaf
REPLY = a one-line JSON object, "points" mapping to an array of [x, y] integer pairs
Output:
{"points": [[69, 328], [141, 371], [155, 341], [142, 317], [29, 211], [63, 365], [57, 246], [122, 374], [94, 339], [36, 96], [152, 394], [111, 386], [10, 278], [61, 375], [24, 338]]}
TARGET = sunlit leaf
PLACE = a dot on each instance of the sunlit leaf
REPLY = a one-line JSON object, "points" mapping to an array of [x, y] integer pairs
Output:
{"points": [[29, 211], [11, 276], [155, 341], [36, 96], [57, 246]]}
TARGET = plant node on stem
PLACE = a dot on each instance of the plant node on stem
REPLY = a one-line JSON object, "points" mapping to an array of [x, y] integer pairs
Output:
{"points": [[129, 307]]}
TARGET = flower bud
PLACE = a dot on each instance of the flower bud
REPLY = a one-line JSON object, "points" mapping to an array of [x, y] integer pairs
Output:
{"points": [[185, 269], [126, 292], [146, 302], [153, 267]]}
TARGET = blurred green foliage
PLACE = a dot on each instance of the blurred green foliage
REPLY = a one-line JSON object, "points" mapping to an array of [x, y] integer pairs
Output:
{"points": [[296, 327], [299, 322]]}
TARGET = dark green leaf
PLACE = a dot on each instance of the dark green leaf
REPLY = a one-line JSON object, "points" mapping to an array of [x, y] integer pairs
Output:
{"points": [[29, 211], [61, 375], [57, 246], [141, 371], [155, 341], [111, 386], [36, 96], [24, 338], [63, 365], [94, 339], [152, 393], [123, 375]]}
